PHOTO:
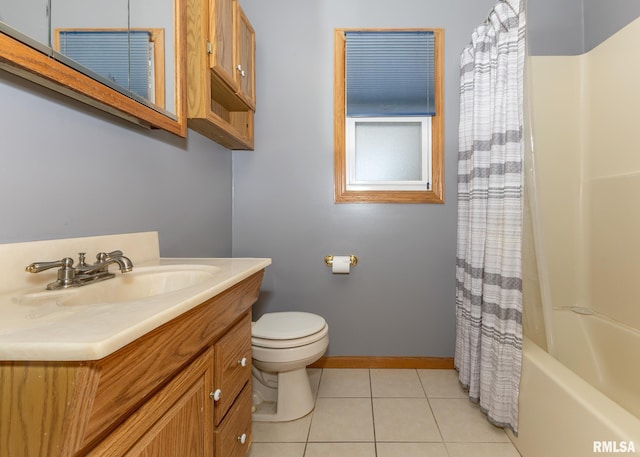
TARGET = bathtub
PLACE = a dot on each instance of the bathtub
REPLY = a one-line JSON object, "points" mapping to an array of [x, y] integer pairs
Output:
{"points": [[587, 400]]}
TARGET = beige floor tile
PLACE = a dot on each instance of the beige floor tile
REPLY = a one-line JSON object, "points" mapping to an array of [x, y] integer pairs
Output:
{"points": [[411, 450], [340, 450], [345, 382], [396, 383], [342, 419], [404, 419], [295, 431], [406, 424], [460, 420], [441, 384], [482, 450], [276, 450]]}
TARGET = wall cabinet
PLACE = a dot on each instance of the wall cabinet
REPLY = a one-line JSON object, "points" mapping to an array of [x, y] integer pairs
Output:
{"points": [[182, 389], [220, 72]]}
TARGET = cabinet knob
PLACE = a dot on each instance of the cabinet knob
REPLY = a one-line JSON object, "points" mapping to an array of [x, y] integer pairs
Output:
{"points": [[216, 395], [242, 438], [242, 72], [242, 362]]}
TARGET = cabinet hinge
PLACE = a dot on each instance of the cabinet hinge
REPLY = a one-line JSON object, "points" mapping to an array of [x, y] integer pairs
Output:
{"points": [[209, 48]]}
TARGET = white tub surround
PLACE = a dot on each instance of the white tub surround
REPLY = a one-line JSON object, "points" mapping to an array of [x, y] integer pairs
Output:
{"points": [[582, 397], [46, 327], [562, 415]]}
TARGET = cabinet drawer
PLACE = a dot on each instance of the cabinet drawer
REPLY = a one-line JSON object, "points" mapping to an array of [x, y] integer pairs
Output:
{"points": [[232, 366], [233, 437]]}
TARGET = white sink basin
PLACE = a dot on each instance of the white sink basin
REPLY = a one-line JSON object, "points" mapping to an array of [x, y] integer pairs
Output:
{"points": [[140, 284]]}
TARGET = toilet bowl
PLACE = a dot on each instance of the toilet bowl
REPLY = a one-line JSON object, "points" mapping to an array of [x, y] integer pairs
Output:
{"points": [[282, 345]]}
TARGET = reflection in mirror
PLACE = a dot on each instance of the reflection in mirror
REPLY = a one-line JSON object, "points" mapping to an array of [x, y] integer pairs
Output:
{"points": [[29, 17], [152, 14], [130, 46], [129, 59], [119, 43]]}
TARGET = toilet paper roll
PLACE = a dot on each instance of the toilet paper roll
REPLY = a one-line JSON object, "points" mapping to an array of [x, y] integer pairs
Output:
{"points": [[341, 264]]}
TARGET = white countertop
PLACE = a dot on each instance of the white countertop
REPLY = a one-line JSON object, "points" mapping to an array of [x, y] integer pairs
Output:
{"points": [[45, 330], [49, 331]]}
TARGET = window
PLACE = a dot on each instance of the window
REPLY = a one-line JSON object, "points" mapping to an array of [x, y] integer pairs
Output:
{"points": [[388, 153], [130, 58], [388, 116]]}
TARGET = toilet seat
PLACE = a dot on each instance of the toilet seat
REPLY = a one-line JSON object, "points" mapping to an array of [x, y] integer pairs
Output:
{"points": [[291, 343], [288, 330]]}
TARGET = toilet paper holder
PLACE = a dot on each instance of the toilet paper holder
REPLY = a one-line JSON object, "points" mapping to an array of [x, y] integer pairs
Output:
{"points": [[353, 260]]}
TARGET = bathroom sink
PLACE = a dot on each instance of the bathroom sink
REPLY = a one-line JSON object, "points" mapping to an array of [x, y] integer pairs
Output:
{"points": [[140, 284]]}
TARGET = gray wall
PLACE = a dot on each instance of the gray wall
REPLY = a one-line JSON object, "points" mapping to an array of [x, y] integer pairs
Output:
{"points": [[604, 18], [555, 27], [399, 300], [68, 170], [573, 27]]}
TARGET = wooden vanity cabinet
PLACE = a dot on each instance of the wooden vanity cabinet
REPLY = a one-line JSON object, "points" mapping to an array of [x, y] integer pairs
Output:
{"points": [[173, 422], [154, 397], [199, 411], [220, 72]]}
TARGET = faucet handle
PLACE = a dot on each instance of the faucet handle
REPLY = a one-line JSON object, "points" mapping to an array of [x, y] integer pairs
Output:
{"points": [[66, 273], [36, 267]]}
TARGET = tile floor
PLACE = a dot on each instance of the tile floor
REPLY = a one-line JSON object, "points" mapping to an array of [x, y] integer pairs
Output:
{"points": [[384, 413]]}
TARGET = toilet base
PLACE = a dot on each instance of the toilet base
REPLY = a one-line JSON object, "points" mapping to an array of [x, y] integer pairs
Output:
{"points": [[292, 399]]}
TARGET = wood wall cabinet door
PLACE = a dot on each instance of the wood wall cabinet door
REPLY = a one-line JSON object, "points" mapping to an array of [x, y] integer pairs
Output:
{"points": [[220, 50], [245, 56], [221, 38], [175, 421], [231, 49]]}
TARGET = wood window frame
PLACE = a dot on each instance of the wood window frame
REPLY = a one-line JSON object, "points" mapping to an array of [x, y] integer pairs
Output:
{"points": [[341, 194]]}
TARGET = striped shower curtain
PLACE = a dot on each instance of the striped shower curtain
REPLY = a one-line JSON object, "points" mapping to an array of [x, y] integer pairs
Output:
{"points": [[488, 350]]}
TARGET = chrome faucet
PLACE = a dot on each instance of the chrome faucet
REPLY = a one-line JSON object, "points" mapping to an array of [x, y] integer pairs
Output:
{"points": [[83, 274], [103, 260]]}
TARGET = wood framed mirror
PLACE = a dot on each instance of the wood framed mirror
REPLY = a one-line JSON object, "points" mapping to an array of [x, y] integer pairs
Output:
{"points": [[37, 54]]}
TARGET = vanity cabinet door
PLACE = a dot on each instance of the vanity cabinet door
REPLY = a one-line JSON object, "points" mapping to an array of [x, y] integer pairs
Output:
{"points": [[174, 422]]}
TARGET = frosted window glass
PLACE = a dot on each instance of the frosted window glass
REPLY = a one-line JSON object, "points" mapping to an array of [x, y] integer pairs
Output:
{"points": [[388, 151]]}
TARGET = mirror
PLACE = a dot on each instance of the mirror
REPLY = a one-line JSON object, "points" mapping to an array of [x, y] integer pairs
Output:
{"points": [[118, 55]]}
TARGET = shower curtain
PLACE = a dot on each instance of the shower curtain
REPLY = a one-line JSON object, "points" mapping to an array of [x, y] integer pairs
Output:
{"points": [[488, 349]]}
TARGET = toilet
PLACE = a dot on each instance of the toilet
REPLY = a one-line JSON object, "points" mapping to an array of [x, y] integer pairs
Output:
{"points": [[282, 345]]}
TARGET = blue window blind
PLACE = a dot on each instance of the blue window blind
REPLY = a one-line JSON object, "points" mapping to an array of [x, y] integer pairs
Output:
{"points": [[390, 73], [119, 55]]}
